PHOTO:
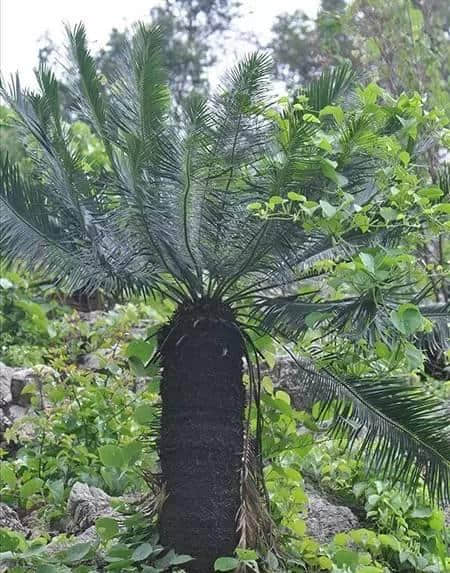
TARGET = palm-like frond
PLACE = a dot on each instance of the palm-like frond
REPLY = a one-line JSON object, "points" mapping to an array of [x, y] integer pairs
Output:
{"points": [[331, 85], [87, 85], [33, 233], [438, 340], [400, 430]]}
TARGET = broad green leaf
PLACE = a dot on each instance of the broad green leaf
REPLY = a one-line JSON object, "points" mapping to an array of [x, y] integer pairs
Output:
{"points": [[298, 526], [421, 511], [226, 564], [329, 171], [407, 319], [275, 200], [433, 192], [325, 563], [382, 350], [334, 110], [341, 539], [282, 395], [370, 93], [142, 552], [414, 357], [388, 214], [246, 554], [111, 456], [436, 520], [442, 208], [389, 541], [144, 414], [267, 384], [368, 262], [313, 318], [293, 196], [56, 489], [180, 559], [346, 558], [404, 157], [106, 527], [140, 369], [362, 221], [132, 451], [310, 118], [76, 552], [327, 209], [30, 487], [7, 475], [11, 540], [140, 349]]}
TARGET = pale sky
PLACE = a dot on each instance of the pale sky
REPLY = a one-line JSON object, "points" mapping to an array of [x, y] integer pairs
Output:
{"points": [[23, 24]]}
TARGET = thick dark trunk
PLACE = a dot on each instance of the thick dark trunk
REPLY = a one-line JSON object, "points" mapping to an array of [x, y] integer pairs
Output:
{"points": [[201, 443]]}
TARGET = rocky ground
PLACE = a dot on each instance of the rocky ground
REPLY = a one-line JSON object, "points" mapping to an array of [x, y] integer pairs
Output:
{"points": [[325, 517]]}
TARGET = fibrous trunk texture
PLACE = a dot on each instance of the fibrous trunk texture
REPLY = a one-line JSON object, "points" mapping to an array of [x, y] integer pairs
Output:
{"points": [[201, 442]]}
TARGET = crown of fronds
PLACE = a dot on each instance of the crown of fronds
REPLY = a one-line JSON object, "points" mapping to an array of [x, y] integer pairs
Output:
{"points": [[169, 214]]}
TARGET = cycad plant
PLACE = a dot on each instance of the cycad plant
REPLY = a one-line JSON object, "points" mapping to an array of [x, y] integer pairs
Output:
{"points": [[176, 212]]}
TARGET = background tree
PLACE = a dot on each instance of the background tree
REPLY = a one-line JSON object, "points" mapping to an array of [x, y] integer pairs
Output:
{"points": [[404, 44], [194, 33], [202, 213], [302, 47]]}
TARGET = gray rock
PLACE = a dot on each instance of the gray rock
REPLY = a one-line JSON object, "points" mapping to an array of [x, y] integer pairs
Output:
{"points": [[85, 505], [23, 425], [95, 361], [89, 535], [286, 376], [5, 384], [5, 422], [56, 545], [17, 412], [36, 523], [10, 520], [14, 404], [92, 316], [22, 377], [19, 380], [326, 519]]}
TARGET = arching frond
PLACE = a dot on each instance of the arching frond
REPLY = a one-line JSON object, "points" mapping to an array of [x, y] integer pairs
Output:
{"points": [[396, 427], [87, 88], [34, 233], [331, 85]]}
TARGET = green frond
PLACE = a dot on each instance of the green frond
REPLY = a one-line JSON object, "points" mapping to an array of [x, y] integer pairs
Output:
{"points": [[330, 86], [139, 92], [399, 429], [438, 340], [87, 85], [291, 316], [234, 136], [40, 236]]}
